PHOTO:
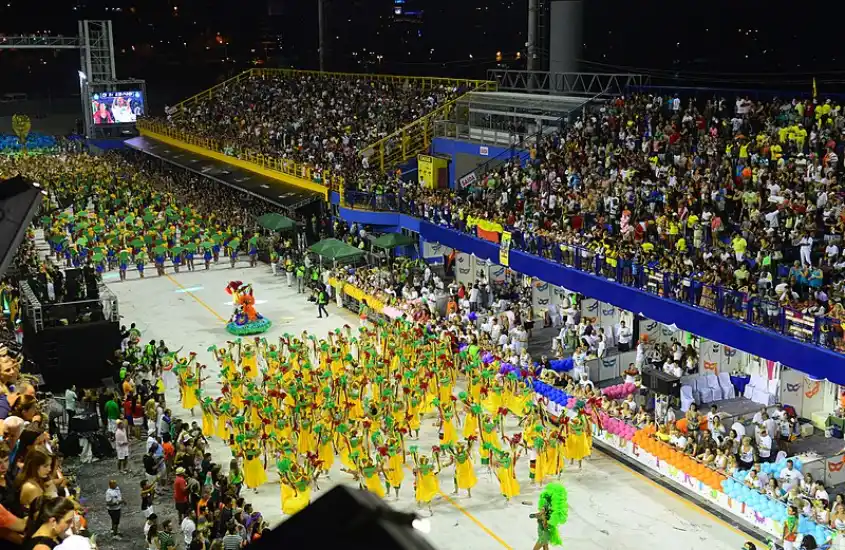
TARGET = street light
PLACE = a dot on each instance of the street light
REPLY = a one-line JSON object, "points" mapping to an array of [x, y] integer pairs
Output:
{"points": [[82, 77]]}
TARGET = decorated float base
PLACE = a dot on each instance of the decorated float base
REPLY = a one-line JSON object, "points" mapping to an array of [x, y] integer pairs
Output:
{"points": [[258, 326]]}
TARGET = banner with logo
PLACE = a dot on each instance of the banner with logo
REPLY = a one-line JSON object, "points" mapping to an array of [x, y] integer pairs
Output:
{"points": [[792, 389], [505, 249], [497, 274], [608, 368], [541, 294], [464, 268], [651, 329], [435, 250], [590, 309], [709, 357], [813, 397]]}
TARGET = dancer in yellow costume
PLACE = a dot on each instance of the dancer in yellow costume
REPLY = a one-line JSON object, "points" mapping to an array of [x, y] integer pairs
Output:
{"points": [[208, 414], [394, 470], [295, 485], [577, 446], [370, 473], [249, 361], [425, 474], [254, 474], [465, 477], [505, 473]]}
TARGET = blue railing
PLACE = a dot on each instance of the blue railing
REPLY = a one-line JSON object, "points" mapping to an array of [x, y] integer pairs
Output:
{"points": [[732, 304]]}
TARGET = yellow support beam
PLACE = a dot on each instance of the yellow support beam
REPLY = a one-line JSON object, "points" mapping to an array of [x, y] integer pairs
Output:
{"points": [[286, 171]]}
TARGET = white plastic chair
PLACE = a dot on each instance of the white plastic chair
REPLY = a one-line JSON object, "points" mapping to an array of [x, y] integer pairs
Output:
{"points": [[763, 397], [728, 390], [713, 384], [703, 391], [687, 398]]}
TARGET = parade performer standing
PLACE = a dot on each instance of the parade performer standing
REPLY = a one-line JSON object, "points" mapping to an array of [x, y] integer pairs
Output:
{"points": [[552, 512], [245, 319]]}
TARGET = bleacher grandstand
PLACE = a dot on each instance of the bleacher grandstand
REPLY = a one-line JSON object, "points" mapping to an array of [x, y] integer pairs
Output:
{"points": [[725, 203]]}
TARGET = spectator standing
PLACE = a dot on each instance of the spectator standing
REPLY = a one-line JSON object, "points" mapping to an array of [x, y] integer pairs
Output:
{"points": [[623, 337], [114, 502], [112, 413], [232, 540], [121, 443], [180, 493], [70, 402], [189, 527], [165, 537], [148, 491]]}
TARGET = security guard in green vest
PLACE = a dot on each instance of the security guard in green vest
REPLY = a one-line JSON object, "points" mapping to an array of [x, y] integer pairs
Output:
{"points": [[322, 300], [300, 277], [315, 276], [289, 270]]}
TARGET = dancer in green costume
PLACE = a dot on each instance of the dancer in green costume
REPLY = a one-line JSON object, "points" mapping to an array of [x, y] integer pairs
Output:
{"points": [[552, 512]]}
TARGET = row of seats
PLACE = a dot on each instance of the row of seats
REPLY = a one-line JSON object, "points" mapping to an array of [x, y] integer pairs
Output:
{"points": [[705, 388]]}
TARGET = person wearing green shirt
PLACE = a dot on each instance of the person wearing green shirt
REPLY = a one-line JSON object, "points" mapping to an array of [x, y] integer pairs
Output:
{"points": [[112, 414], [300, 278]]}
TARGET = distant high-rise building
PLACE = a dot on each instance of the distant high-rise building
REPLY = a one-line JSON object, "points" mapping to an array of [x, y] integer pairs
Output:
{"points": [[408, 11]]}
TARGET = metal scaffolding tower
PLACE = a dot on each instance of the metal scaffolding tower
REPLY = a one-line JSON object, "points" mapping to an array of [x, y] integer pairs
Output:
{"points": [[95, 43], [97, 55]]}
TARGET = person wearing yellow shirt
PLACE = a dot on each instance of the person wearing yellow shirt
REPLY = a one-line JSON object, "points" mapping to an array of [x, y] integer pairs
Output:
{"points": [[739, 245], [692, 221], [743, 151], [776, 151], [681, 245]]}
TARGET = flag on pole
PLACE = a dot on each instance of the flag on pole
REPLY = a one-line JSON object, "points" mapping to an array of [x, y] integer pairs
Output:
{"points": [[815, 90]]}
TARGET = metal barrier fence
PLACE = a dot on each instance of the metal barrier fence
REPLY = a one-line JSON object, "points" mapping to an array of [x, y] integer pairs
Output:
{"points": [[733, 304]]}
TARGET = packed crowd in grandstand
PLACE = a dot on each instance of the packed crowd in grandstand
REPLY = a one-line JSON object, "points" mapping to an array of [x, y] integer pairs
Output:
{"points": [[322, 120], [741, 197]]}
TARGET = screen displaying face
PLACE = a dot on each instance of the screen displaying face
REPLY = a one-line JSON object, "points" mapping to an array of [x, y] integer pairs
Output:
{"points": [[117, 107]]}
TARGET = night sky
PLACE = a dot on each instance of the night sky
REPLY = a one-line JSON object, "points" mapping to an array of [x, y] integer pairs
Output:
{"points": [[175, 45]]}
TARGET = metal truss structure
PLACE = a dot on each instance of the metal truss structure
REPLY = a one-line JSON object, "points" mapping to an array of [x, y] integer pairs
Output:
{"points": [[582, 84], [95, 43]]}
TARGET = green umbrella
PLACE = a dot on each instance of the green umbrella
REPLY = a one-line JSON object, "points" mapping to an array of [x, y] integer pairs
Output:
{"points": [[160, 249], [176, 250], [80, 225], [129, 220], [99, 228], [58, 238], [45, 220], [234, 244], [97, 257], [148, 218], [98, 250], [191, 247], [217, 237], [207, 244], [137, 242], [82, 241], [124, 256]]}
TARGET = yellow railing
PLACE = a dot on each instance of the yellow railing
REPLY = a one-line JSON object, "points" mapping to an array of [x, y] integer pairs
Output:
{"points": [[216, 148], [415, 138]]}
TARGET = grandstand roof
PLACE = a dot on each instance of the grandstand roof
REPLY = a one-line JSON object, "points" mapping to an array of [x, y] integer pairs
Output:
{"points": [[524, 102], [272, 190]]}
